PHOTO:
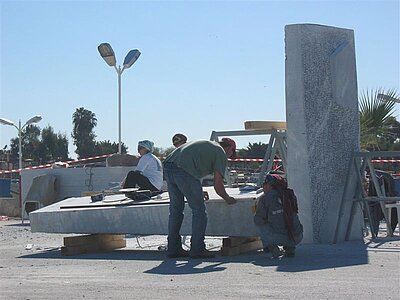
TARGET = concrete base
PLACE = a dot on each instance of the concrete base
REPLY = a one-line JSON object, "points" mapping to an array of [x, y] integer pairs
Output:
{"points": [[10, 207], [223, 219]]}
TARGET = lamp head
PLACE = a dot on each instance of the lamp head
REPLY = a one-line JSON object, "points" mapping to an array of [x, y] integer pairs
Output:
{"points": [[107, 53], [131, 57], [6, 122], [34, 119]]}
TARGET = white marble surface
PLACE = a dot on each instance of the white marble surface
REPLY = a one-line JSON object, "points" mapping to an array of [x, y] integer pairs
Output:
{"points": [[322, 125], [223, 219]]}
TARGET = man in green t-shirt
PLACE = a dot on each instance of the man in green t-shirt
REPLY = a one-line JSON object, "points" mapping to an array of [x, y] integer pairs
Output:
{"points": [[184, 169]]}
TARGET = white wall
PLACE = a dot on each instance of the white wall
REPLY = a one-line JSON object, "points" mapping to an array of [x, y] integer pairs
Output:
{"points": [[71, 182]]}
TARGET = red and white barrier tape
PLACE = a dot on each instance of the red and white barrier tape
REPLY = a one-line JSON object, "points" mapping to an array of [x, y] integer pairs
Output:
{"points": [[251, 159], [67, 163], [277, 160], [385, 160], [59, 163], [89, 158]]}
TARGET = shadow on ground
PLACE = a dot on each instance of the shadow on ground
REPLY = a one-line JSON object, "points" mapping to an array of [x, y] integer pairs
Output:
{"points": [[26, 224], [308, 258]]}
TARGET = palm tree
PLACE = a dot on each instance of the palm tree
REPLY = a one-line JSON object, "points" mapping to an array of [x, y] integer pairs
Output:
{"points": [[84, 138], [255, 150], [106, 147], [376, 117]]}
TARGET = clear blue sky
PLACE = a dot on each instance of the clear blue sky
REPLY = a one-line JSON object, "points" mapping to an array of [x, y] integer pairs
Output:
{"points": [[205, 65]]}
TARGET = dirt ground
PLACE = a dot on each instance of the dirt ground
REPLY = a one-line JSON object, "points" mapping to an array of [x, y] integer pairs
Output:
{"points": [[32, 267]]}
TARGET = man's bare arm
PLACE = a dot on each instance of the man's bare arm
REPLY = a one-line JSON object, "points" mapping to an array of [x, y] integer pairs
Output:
{"points": [[220, 189]]}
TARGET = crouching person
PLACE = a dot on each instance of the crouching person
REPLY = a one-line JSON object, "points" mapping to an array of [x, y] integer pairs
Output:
{"points": [[276, 217]]}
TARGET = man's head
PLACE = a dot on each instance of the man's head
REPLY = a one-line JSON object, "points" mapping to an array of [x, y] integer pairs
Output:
{"points": [[145, 146], [269, 183], [274, 181], [229, 146], [179, 139]]}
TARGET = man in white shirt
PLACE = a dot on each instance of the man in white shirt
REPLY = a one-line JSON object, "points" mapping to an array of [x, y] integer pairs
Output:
{"points": [[148, 174]]}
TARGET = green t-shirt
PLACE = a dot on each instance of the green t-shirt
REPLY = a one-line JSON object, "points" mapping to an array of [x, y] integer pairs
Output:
{"points": [[199, 158]]}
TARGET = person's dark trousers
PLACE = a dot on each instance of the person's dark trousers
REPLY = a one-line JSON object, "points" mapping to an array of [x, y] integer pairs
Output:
{"points": [[135, 178], [183, 185]]}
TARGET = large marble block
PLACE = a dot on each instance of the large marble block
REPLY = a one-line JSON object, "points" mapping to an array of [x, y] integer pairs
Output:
{"points": [[78, 215], [322, 125]]}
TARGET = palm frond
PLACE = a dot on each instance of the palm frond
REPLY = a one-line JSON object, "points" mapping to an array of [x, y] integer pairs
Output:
{"points": [[376, 112]]}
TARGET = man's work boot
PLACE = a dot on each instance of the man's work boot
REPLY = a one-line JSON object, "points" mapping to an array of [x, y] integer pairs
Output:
{"points": [[179, 253], [275, 251], [289, 251], [205, 254]]}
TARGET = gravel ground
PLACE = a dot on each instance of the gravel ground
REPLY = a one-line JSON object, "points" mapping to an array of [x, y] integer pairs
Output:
{"points": [[32, 267]]}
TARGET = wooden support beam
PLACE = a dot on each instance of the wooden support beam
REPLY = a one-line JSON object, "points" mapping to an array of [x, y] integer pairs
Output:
{"points": [[279, 125], [92, 243], [237, 245]]}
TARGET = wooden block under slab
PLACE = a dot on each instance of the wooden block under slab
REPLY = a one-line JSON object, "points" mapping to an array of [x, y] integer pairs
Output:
{"points": [[249, 244], [234, 241], [95, 247], [230, 251], [80, 244], [91, 238]]}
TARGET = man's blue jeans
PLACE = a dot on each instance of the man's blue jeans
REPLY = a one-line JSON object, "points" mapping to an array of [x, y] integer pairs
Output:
{"points": [[271, 237], [183, 185]]}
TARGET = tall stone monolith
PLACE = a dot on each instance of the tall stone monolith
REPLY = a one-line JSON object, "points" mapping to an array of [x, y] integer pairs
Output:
{"points": [[322, 126]]}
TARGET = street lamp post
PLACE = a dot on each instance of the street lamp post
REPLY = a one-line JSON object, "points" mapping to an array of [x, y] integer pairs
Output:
{"points": [[32, 120], [19, 128], [107, 53]]}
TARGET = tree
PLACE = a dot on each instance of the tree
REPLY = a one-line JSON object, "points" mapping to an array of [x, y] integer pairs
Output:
{"points": [[30, 139], [378, 127], [255, 150], [84, 121], [394, 139], [42, 146], [161, 152], [53, 147], [106, 147]]}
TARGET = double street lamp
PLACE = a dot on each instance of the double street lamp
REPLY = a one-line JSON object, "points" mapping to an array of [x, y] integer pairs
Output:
{"points": [[32, 120], [107, 53]]}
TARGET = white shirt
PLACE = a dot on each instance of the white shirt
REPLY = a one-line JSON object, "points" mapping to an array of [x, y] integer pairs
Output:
{"points": [[150, 166]]}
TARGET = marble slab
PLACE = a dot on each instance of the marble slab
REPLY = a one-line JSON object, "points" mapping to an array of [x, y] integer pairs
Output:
{"points": [[144, 218]]}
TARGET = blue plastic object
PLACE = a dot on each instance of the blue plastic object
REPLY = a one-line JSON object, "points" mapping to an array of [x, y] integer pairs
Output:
{"points": [[5, 185]]}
